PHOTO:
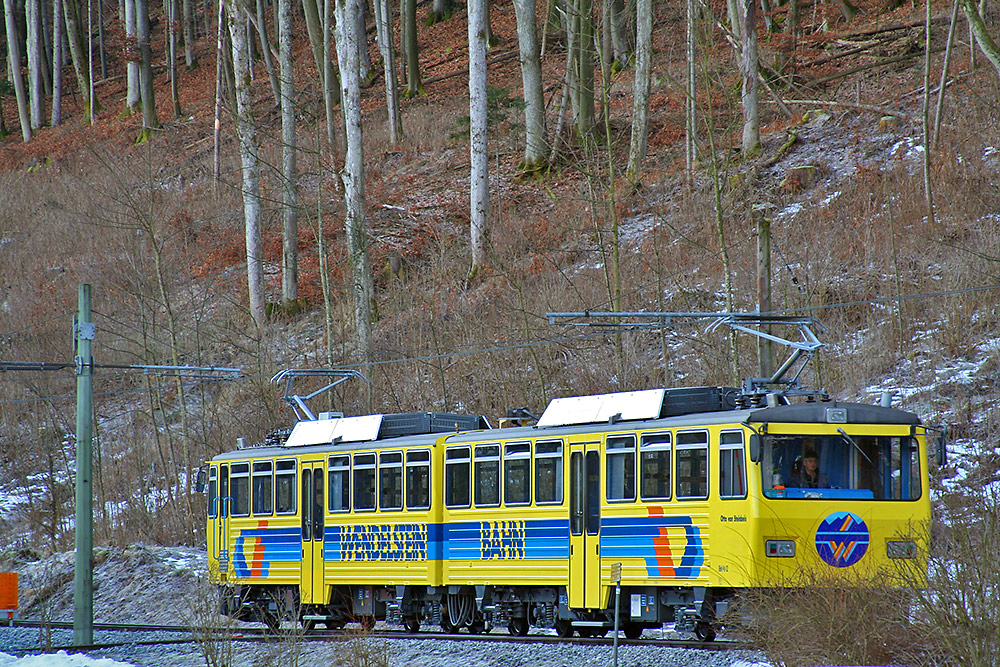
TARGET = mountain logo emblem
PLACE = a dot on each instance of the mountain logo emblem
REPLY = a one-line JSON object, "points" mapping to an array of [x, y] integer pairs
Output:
{"points": [[842, 539]]}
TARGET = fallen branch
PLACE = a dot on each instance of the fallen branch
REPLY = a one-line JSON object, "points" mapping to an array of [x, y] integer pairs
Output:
{"points": [[862, 68], [848, 105], [499, 59]]}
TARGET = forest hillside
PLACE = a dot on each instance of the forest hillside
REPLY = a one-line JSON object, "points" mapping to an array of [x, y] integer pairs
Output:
{"points": [[876, 174]]}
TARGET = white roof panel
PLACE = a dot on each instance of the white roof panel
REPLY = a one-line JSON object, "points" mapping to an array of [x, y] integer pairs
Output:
{"points": [[602, 407], [325, 431]]}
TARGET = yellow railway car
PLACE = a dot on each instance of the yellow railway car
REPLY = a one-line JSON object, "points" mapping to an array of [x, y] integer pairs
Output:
{"points": [[679, 496]]}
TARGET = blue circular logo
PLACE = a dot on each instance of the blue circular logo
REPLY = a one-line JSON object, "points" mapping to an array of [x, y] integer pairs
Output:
{"points": [[842, 539]]}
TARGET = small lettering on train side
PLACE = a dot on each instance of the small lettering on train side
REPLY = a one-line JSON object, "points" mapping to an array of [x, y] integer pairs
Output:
{"points": [[736, 518]]}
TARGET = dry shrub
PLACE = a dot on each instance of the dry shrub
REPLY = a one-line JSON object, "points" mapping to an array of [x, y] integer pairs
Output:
{"points": [[959, 610], [832, 622], [946, 616]]}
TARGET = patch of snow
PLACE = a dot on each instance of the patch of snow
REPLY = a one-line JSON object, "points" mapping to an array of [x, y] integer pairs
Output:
{"points": [[59, 659]]}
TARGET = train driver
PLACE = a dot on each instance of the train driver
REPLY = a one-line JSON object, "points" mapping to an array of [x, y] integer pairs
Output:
{"points": [[808, 474]]}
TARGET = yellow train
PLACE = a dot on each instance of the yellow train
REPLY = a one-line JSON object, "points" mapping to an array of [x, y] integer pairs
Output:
{"points": [[680, 497]]}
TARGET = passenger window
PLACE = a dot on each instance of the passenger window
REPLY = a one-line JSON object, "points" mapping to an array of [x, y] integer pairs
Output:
{"points": [[654, 457], [284, 487], [487, 471], [213, 492], [390, 479], [548, 472], [621, 468], [692, 465], [364, 482], [517, 474], [418, 480], [239, 483], [457, 470], [732, 468], [339, 475], [263, 488]]}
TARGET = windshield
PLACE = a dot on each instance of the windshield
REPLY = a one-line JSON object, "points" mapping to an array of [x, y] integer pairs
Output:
{"points": [[857, 467]]}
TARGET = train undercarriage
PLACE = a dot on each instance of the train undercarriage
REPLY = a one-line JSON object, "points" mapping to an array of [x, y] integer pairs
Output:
{"points": [[480, 609]]}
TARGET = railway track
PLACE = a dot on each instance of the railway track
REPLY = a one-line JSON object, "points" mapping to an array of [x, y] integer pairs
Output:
{"points": [[264, 635]]}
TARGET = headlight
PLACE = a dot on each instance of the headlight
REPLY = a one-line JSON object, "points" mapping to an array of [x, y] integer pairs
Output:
{"points": [[901, 549], [780, 548]]}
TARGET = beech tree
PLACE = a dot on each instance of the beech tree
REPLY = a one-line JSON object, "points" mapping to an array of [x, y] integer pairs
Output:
{"points": [[36, 89], [57, 62], [479, 193], [408, 21], [751, 110], [386, 45], [14, 56], [640, 95], [353, 174], [289, 190], [531, 78], [132, 62], [150, 120], [246, 128], [580, 58]]}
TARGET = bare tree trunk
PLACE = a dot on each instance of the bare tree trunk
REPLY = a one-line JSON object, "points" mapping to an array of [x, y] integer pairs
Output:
{"points": [[479, 192], [531, 78], [939, 109], [751, 106], [150, 120], [925, 117], [581, 57], [265, 47], [983, 38], [691, 103], [441, 11], [217, 126], [236, 14], [190, 60], [619, 33], [131, 53], [640, 97], [364, 56], [172, 55], [80, 63], [383, 26], [319, 39], [353, 174], [36, 89], [408, 19], [57, 62], [290, 197], [14, 60]]}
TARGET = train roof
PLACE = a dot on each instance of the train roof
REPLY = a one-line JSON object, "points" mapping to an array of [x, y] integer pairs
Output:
{"points": [[639, 410]]}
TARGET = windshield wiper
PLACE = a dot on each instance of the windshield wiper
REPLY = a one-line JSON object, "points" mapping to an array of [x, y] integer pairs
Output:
{"points": [[856, 445]]}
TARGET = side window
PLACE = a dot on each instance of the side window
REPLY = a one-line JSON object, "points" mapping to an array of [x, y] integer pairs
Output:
{"points": [[239, 483], [457, 470], [213, 492], [692, 465], [263, 488], [620, 453], [517, 474], [654, 462], [364, 482], [732, 466], [548, 472], [284, 487], [418, 480], [339, 474], [487, 473], [390, 480]]}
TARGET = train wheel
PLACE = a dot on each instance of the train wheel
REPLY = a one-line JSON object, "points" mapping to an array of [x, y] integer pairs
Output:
{"points": [[518, 626], [564, 628], [704, 632], [586, 632], [412, 625], [477, 627], [446, 626], [633, 630]]}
